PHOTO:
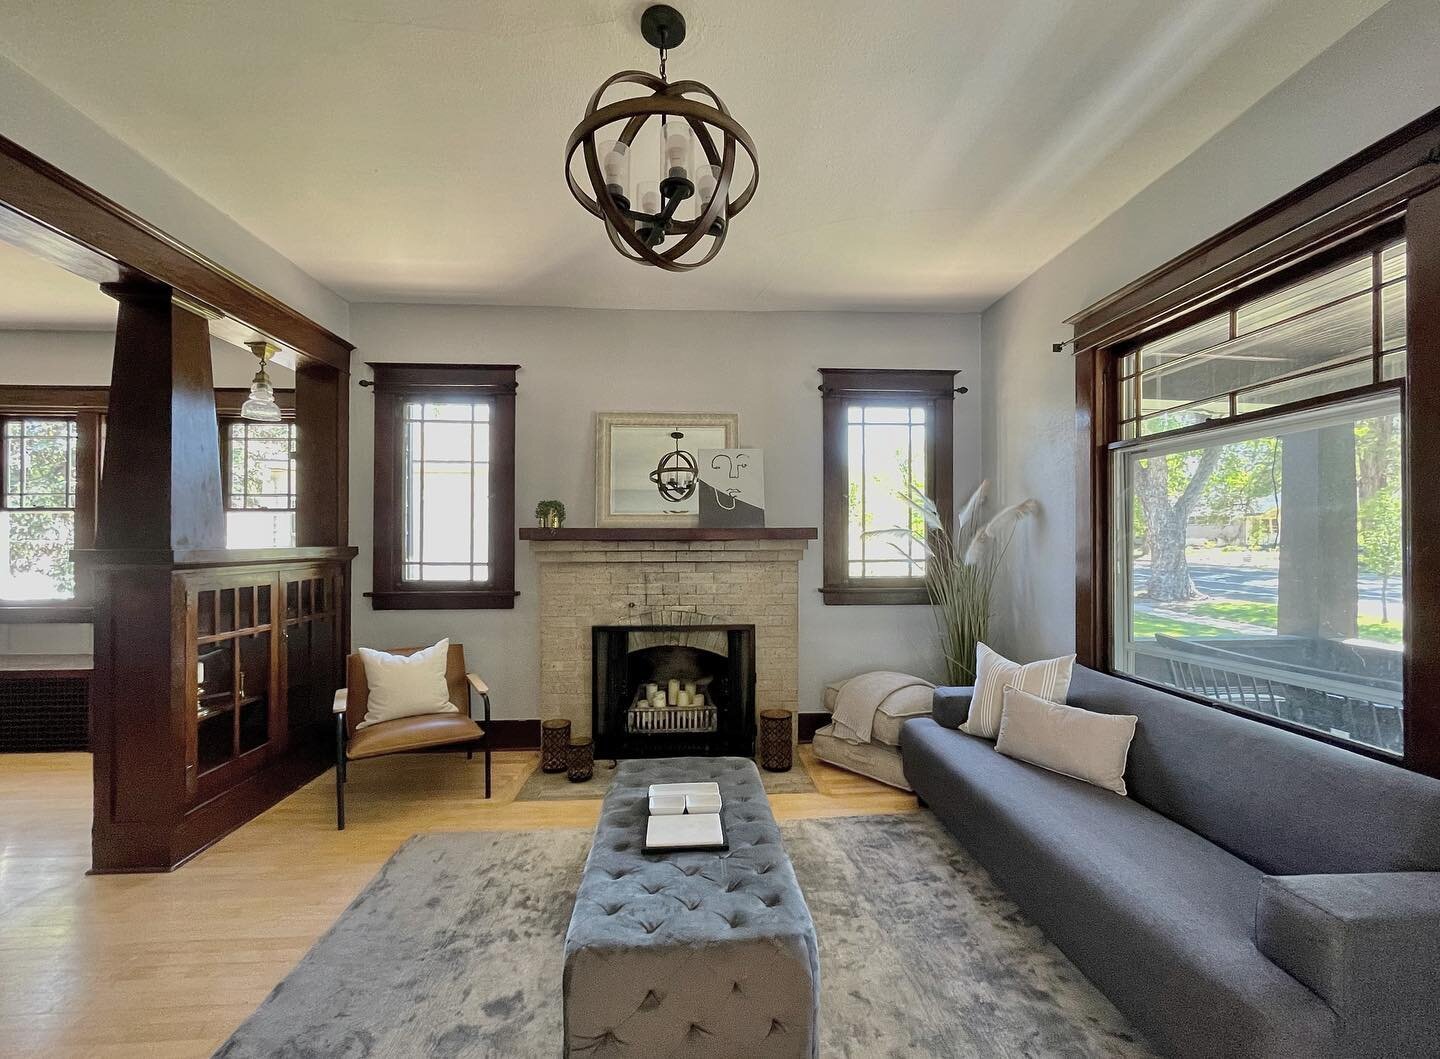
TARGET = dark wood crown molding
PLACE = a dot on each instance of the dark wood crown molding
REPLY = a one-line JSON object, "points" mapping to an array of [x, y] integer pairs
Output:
{"points": [[49, 213]]}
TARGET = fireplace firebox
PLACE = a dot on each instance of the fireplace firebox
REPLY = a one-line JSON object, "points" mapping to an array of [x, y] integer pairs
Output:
{"points": [[664, 690]]}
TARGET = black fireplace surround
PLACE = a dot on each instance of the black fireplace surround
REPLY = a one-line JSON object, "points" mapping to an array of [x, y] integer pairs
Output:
{"points": [[718, 658]]}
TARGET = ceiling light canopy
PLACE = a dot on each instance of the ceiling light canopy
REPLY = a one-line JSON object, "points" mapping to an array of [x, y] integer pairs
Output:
{"points": [[666, 220]]}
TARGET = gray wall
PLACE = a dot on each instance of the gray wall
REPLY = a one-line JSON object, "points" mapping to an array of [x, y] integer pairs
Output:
{"points": [[1383, 74], [579, 362]]}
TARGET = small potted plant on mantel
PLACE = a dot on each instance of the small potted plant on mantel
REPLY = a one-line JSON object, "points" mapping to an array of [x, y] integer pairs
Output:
{"points": [[550, 514]]}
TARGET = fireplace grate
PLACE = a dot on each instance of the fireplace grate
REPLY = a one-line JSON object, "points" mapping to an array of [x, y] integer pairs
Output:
{"points": [[691, 720]]}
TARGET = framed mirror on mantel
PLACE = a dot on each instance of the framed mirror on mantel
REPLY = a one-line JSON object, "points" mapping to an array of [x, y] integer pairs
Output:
{"points": [[645, 472]]}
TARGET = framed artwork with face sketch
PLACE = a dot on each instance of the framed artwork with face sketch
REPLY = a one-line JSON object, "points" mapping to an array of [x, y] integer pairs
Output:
{"points": [[732, 488]]}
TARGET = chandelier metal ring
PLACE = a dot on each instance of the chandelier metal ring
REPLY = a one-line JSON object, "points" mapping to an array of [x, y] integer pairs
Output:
{"points": [[638, 233]]}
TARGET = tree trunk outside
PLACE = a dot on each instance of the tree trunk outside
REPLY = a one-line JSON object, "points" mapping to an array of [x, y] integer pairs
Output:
{"points": [[1166, 520]]}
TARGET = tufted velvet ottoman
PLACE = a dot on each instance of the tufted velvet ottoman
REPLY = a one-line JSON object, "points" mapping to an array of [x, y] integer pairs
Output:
{"points": [[690, 954]]}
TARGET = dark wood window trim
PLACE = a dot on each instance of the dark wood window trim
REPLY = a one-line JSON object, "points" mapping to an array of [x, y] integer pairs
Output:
{"points": [[842, 388], [1393, 186], [394, 385]]}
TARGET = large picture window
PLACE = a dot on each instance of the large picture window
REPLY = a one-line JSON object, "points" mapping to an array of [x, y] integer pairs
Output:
{"points": [[444, 486], [1260, 427], [37, 508], [887, 434], [1258, 504]]}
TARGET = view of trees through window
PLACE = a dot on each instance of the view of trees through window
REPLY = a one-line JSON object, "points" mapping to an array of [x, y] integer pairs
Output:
{"points": [[37, 509], [885, 456], [260, 485], [447, 491], [1263, 558]]}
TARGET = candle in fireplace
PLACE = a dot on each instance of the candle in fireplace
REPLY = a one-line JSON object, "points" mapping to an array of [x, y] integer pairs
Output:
{"points": [[672, 692]]}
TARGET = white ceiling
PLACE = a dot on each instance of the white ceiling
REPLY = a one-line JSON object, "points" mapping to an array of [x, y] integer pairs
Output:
{"points": [[918, 155], [38, 296]]}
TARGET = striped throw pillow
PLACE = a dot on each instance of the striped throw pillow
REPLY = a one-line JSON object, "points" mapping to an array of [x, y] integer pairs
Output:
{"points": [[1049, 679]]}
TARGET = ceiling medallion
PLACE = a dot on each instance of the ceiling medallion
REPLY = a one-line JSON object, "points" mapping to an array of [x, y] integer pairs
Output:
{"points": [[690, 203]]}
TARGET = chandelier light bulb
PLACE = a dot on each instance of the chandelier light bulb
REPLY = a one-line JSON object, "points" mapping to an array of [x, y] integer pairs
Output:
{"points": [[617, 167], [678, 147]]}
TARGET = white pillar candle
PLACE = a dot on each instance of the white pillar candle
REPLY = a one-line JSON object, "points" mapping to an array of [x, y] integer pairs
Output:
{"points": [[683, 699], [672, 692], [699, 699], [650, 690], [690, 687], [199, 672], [658, 700]]}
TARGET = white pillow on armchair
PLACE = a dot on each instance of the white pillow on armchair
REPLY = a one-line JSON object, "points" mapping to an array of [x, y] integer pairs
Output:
{"points": [[406, 685]]}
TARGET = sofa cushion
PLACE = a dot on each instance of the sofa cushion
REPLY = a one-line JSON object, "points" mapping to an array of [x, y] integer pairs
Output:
{"points": [[1160, 919], [1287, 804]]}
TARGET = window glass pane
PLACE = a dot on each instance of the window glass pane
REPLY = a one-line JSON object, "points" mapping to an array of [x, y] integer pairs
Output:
{"points": [[1199, 336], [1344, 377], [40, 463], [1353, 277], [260, 529], [446, 491], [885, 453], [1315, 329], [35, 551], [1335, 333], [1392, 306], [1392, 262], [1393, 366], [260, 480], [1263, 568]]}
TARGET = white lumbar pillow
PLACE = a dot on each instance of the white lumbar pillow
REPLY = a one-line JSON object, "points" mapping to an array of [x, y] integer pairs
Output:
{"points": [[1088, 746], [1048, 678], [406, 685]]}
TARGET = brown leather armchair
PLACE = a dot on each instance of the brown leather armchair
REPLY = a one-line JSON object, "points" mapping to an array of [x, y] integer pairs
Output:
{"points": [[404, 734]]}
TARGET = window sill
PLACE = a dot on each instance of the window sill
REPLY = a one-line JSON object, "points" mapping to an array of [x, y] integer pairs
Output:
{"points": [[875, 595], [444, 599], [59, 612]]}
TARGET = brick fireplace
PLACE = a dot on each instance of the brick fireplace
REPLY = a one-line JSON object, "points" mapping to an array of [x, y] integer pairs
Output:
{"points": [[595, 578]]}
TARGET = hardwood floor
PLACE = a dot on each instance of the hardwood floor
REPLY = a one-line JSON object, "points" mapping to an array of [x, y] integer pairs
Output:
{"points": [[168, 965]]}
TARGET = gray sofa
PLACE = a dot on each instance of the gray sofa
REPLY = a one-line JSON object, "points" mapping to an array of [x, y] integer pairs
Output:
{"points": [[1257, 893]]}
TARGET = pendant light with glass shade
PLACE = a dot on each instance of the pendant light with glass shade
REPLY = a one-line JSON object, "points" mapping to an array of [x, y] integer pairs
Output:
{"points": [[260, 406]]}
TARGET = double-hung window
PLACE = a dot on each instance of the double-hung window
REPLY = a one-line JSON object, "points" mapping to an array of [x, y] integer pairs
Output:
{"points": [[444, 486], [1258, 500], [260, 484], [888, 436], [38, 501]]}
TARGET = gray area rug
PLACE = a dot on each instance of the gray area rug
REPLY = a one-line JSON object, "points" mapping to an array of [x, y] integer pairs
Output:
{"points": [[454, 949], [556, 786]]}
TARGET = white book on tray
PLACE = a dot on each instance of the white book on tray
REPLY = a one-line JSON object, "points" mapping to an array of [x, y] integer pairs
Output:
{"points": [[700, 831]]}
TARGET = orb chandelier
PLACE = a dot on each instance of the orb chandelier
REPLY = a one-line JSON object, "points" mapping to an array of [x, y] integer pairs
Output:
{"points": [[676, 473], [663, 222]]}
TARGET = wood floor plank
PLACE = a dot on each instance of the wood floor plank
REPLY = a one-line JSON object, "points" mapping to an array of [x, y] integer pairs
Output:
{"points": [[160, 966]]}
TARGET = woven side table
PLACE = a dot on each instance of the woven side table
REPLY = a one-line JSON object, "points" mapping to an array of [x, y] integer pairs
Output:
{"points": [[776, 748], [582, 759], [554, 745]]}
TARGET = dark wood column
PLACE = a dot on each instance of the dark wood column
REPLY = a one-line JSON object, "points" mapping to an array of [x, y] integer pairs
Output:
{"points": [[161, 485], [159, 495], [322, 420]]}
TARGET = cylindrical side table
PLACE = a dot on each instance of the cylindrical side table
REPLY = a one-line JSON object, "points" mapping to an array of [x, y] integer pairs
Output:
{"points": [[776, 748], [582, 759], [554, 745]]}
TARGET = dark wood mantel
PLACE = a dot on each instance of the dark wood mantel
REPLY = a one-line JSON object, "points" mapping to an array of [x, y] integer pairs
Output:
{"points": [[669, 533]]}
